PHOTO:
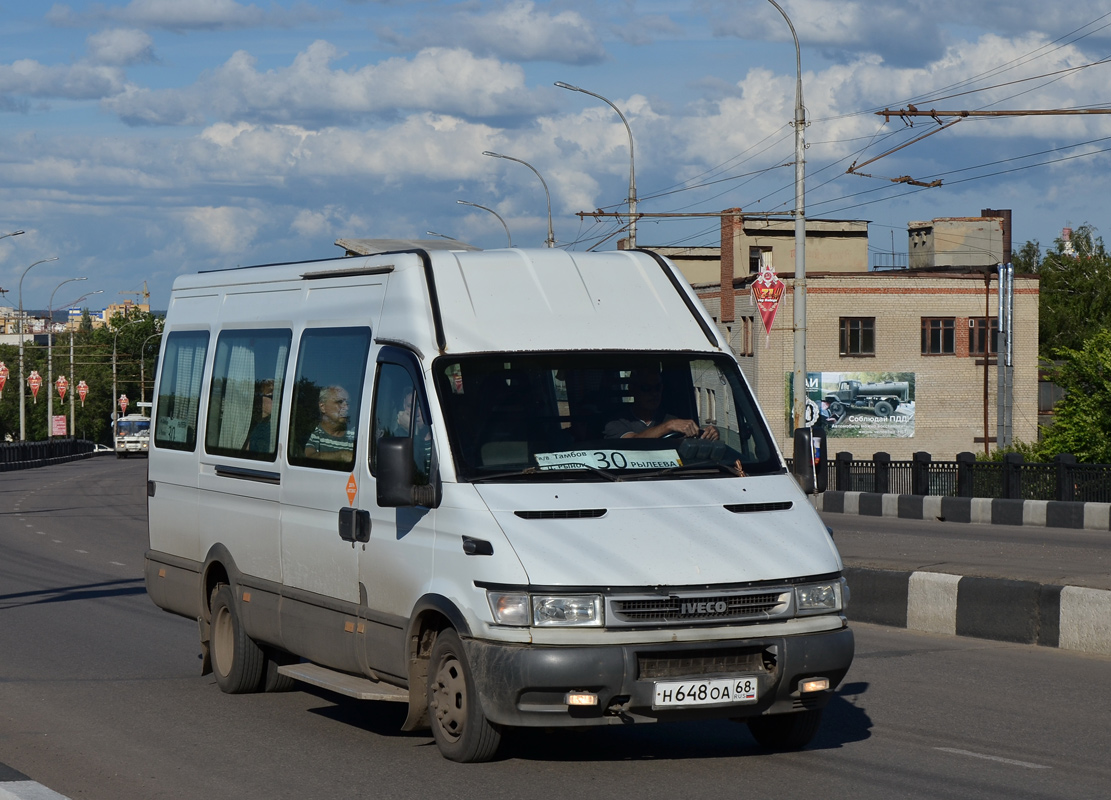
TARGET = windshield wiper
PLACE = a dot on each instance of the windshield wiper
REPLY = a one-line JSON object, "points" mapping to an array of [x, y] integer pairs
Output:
{"points": [[537, 471], [700, 466]]}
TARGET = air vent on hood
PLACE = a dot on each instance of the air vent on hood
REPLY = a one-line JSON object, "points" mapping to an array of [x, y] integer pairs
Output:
{"points": [[571, 513], [746, 508]]}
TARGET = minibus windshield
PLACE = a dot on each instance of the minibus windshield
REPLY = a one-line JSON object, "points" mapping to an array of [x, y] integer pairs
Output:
{"points": [[601, 416]]}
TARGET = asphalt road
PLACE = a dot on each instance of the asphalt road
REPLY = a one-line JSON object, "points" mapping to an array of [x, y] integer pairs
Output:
{"points": [[101, 698], [1063, 556]]}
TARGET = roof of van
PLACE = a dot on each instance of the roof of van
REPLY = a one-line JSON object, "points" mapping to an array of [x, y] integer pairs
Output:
{"points": [[545, 299], [463, 301]]}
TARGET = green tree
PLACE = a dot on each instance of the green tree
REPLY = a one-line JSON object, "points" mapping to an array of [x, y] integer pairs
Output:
{"points": [[1082, 420], [1075, 299]]}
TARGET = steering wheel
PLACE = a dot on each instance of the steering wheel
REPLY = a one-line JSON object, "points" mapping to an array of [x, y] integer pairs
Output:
{"points": [[674, 435]]}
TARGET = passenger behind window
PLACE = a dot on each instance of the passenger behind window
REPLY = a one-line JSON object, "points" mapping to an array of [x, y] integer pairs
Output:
{"points": [[332, 440], [260, 440]]}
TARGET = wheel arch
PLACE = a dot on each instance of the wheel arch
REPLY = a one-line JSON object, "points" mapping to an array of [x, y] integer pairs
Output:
{"points": [[431, 614]]}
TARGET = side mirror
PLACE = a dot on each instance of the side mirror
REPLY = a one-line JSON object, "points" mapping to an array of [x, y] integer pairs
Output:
{"points": [[396, 484], [810, 459]]}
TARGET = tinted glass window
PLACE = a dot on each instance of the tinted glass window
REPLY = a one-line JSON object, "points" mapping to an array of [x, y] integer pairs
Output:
{"points": [[179, 390], [564, 416], [244, 405], [399, 410], [327, 396]]}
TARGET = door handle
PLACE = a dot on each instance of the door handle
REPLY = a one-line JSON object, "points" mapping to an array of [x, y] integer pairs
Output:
{"points": [[354, 525]]}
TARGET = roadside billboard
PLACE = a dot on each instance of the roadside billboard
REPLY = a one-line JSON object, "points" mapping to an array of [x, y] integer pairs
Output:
{"points": [[858, 405]]}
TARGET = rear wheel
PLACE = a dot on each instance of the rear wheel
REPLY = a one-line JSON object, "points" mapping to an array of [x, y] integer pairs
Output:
{"points": [[459, 727], [272, 681], [237, 661], [786, 731], [884, 409]]}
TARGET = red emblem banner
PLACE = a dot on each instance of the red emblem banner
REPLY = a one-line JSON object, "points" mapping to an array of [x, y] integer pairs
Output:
{"points": [[767, 291]]}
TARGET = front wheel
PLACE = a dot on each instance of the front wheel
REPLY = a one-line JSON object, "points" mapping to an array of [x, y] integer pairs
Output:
{"points": [[786, 731], [237, 662], [459, 727]]}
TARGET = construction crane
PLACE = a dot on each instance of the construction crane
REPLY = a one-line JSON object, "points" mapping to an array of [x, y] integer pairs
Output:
{"points": [[144, 293]]}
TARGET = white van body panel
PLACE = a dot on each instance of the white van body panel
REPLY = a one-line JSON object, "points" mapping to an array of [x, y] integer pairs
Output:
{"points": [[684, 537], [272, 525]]}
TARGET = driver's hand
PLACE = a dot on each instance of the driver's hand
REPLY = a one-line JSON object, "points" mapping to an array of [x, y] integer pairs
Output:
{"points": [[683, 426], [709, 432]]}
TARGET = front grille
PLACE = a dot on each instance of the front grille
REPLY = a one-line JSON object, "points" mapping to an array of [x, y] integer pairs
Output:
{"points": [[687, 609], [749, 508], [574, 513], [697, 664]]}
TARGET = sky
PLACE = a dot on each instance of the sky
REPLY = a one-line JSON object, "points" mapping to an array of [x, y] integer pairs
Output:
{"points": [[145, 139]]}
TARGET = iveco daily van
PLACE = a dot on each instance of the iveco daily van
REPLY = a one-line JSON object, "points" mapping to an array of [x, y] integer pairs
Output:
{"points": [[508, 488]]}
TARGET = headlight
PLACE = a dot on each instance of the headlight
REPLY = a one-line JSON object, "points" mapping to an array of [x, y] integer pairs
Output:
{"points": [[519, 609], [509, 608], [818, 598], [571, 610]]}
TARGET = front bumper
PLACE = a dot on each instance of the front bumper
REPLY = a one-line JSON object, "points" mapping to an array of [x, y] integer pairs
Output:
{"points": [[526, 685]]}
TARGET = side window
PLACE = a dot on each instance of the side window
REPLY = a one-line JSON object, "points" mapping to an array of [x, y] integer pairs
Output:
{"points": [[179, 390], [327, 396], [244, 404], [399, 411]]}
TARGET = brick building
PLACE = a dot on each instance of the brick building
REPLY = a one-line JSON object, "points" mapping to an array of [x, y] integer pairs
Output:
{"points": [[919, 340]]}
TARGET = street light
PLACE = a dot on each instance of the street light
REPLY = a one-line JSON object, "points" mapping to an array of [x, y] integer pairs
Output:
{"points": [[492, 211], [50, 359], [115, 341], [72, 388], [22, 388], [799, 412], [13, 233], [551, 236], [632, 168]]}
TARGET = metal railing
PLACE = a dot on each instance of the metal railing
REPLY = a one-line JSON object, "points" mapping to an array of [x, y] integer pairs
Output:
{"points": [[1062, 479], [25, 455]]}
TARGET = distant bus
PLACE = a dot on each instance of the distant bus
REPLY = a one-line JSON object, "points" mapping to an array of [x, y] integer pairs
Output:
{"points": [[132, 435]]}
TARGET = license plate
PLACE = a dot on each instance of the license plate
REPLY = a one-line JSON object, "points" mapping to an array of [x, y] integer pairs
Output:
{"points": [[716, 691]]}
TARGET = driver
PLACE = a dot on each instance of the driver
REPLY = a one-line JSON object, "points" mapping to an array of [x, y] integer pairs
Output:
{"points": [[643, 419]]}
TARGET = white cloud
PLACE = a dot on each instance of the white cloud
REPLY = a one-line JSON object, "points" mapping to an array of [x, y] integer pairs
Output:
{"points": [[80, 81], [516, 31], [310, 91], [222, 229], [121, 47], [184, 15]]}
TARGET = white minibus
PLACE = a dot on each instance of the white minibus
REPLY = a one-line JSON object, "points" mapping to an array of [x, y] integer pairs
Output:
{"points": [[506, 488]]}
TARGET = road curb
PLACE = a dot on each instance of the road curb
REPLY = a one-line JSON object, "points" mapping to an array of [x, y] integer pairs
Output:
{"points": [[996, 511], [1001, 609]]}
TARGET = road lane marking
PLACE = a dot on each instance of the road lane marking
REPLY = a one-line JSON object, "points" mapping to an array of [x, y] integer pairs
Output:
{"points": [[117, 564], [86, 552], [1000, 759]]}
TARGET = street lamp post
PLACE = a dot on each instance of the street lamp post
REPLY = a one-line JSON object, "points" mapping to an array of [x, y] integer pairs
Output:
{"points": [[492, 211], [72, 385], [115, 341], [551, 236], [13, 233], [22, 388], [632, 167], [799, 410], [50, 359]]}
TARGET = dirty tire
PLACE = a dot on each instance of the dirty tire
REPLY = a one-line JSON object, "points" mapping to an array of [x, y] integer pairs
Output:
{"points": [[836, 409], [237, 662], [786, 731], [884, 409], [271, 680], [459, 727]]}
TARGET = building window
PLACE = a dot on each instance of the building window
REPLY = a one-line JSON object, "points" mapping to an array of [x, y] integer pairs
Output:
{"points": [[983, 335], [858, 336], [938, 336], [758, 258]]}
